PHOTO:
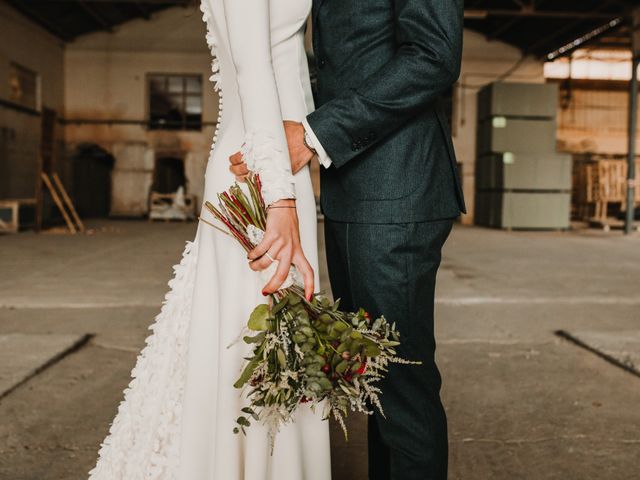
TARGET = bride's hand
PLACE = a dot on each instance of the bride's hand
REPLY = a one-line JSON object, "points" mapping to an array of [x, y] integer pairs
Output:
{"points": [[238, 167], [282, 243]]}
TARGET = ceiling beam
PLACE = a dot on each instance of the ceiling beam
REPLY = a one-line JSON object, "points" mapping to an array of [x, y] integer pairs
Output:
{"points": [[143, 11], [506, 26], [33, 13], [97, 18], [567, 27]]}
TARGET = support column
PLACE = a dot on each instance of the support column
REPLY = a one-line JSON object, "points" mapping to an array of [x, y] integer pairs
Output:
{"points": [[633, 120]]}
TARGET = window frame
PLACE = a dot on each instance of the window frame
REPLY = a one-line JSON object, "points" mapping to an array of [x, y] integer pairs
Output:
{"points": [[185, 125], [37, 94]]}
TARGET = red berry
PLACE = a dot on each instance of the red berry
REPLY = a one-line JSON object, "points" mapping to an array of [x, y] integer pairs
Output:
{"points": [[326, 368]]}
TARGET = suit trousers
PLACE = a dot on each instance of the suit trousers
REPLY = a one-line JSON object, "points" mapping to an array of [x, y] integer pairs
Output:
{"points": [[390, 269]]}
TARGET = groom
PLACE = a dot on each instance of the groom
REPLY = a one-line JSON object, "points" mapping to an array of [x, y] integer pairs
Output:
{"points": [[389, 193]]}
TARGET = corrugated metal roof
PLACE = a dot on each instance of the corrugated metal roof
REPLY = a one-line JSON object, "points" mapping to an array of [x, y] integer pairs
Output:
{"points": [[537, 27], [68, 19], [544, 27]]}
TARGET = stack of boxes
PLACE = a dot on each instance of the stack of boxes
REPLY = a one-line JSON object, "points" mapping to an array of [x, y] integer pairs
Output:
{"points": [[521, 181]]}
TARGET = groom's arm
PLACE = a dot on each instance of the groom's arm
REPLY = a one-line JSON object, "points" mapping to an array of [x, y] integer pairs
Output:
{"points": [[426, 64]]}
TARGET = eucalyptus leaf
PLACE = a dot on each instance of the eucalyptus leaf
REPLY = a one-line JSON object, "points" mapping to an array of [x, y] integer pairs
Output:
{"points": [[340, 326], [342, 367], [246, 374], [243, 421], [336, 305], [280, 305], [294, 299], [258, 321], [371, 351], [255, 339], [282, 359]]}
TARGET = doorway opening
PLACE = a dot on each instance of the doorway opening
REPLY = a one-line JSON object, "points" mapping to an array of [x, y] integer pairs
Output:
{"points": [[169, 175]]}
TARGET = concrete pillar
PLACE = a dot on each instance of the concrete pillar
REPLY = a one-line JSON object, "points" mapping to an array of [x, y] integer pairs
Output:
{"points": [[633, 119]]}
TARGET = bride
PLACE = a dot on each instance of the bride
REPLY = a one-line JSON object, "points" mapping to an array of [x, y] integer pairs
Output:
{"points": [[177, 418]]}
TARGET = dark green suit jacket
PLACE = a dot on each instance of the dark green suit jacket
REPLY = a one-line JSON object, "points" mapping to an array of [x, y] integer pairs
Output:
{"points": [[382, 67]]}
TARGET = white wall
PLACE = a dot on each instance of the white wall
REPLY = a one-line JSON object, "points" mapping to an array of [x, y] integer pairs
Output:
{"points": [[594, 113], [106, 81], [595, 121], [483, 62], [25, 43]]}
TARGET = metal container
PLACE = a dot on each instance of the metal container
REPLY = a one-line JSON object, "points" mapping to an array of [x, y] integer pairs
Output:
{"points": [[524, 210], [530, 100], [524, 171], [502, 134]]}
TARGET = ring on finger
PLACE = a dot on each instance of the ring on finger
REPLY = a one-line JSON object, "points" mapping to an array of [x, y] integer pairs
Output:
{"points": [[269, 257]]}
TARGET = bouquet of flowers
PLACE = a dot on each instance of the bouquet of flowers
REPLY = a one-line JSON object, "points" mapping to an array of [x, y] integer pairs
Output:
{"points": [[303, 351]]}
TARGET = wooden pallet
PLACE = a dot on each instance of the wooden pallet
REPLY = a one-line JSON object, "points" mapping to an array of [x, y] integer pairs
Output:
{"points": [[13, 207], [610, 223], [599, 182]]}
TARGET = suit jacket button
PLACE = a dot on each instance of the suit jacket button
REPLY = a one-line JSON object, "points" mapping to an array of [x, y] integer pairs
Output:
{"points": [[321, 62]]}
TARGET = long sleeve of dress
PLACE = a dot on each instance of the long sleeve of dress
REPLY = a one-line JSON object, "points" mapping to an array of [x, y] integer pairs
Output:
{"points": [[265, 149]]}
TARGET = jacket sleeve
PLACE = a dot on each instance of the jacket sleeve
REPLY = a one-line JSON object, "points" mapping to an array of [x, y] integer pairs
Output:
{"points": [[426, 64], [265, 148]]}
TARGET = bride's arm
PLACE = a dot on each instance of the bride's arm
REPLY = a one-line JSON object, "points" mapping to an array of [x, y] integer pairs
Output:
{"points": [[265, 151]]}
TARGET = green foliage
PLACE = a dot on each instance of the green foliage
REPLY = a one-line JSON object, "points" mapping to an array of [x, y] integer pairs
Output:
{"points": [[310, 351], [259, 319]]}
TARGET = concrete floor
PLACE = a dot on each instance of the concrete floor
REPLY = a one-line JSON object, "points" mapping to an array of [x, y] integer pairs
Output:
{"points": [[522, 404]]}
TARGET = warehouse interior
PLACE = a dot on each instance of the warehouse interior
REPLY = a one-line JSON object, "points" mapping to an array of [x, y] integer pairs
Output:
{"points": [[107, 117], [113, 98]]}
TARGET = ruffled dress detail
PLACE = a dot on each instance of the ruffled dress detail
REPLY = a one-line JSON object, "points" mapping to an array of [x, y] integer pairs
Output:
{"points": [[211, 43], [259, 152], [151, 411]]}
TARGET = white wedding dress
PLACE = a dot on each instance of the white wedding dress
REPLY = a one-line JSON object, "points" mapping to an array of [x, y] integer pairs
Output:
{"points": [[176, 421]]}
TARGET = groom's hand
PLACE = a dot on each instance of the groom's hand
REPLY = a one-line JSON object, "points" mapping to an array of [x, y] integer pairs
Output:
{"points": [[298, 151]]}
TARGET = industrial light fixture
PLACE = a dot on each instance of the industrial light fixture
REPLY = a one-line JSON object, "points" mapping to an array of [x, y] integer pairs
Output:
{"points": [[583, 39]]}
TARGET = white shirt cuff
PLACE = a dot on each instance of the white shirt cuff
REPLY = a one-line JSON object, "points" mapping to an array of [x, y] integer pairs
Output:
{"points": [[323, 158]]}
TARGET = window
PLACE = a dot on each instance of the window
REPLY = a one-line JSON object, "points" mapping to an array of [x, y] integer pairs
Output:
{"points": [[23, 86], [175, 102]]}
